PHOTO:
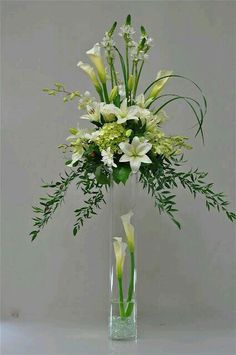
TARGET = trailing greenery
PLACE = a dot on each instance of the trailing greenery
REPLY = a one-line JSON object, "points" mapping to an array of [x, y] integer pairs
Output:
{"points": [[161, 183], [49, 203]]}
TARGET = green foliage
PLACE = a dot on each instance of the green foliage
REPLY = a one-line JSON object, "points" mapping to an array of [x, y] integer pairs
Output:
{"points": [[121, 173], [161, 184], [51, 201]]}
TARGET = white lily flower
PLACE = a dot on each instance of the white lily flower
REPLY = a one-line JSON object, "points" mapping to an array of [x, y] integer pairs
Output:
{"points": [[129, 229], [93, 112], [120, 252], [107, 158], [90, 72], [108, 112], [92, 136], [142, 102], [156, 89], [96, 58], [125, 113], [135, 153]]}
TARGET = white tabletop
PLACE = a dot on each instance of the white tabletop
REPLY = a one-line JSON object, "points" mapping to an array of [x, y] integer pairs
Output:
{"points": [[188, 336]]}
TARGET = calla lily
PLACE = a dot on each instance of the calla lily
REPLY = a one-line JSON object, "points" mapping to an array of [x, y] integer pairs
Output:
{"points": [[120, 252], [156, 89], [91, 73], [96, 58], [129, 229], [135, 153]]}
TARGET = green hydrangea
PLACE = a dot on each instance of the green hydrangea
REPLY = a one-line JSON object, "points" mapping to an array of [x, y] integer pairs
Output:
{"points": [[166, 146], [111, 134]]}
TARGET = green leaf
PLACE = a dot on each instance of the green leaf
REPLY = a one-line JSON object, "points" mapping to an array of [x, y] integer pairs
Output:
{"points": [[121, 174], [101, 176], [75, 230]]}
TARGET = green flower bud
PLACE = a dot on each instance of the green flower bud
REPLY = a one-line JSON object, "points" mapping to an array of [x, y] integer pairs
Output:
{"points": [[128, 132], [111, 31], [113, 93], [131, 82], [128, 20]]}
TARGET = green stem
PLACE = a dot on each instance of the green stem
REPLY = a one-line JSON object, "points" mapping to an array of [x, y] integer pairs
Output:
{"points": [[105, 93], [121, 299], [137, 79], [127, 60], [130, 304], [114, 74]]}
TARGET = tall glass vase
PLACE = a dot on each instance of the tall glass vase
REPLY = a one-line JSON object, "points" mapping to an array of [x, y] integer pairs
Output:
{"points": [[123, 305]]}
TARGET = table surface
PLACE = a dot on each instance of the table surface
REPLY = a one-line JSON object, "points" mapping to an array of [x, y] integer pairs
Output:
{"points": [[181, 336]]}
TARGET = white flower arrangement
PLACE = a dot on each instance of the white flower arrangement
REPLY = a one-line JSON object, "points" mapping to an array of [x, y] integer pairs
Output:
{"points": [[127, 135]]}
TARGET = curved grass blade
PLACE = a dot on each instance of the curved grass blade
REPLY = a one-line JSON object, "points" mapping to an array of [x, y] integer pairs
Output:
{"points": [[187, 99], [122, 62], [181, 77]]}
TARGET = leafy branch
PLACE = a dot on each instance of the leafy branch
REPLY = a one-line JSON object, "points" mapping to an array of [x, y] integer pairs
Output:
{"points": [[160, 185], [49, 203], [91, 187]]}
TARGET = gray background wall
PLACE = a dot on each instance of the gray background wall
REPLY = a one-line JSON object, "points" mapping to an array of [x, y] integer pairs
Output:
{"points": [[59, 276]]}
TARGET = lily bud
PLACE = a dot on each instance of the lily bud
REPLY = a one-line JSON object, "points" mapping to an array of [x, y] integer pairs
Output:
{"points": [[131, 82], [156, 89], [91, 73], [128, 133], [120, 252], [96, 58], [113, 93], [129, 230]]}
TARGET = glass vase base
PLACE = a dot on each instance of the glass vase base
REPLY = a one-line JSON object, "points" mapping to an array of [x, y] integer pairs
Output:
{"points": [[123, 328]]}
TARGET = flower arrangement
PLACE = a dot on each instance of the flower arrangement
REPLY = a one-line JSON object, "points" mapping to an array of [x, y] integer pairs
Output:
{"points": [[126, 136]]}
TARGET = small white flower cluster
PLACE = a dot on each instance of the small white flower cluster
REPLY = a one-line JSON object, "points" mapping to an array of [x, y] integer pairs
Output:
{"points": [[140, 54], [108, 43], [127, 32]]}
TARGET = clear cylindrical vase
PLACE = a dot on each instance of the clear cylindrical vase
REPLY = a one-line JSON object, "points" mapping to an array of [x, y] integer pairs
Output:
{"points": [[123, 250]]}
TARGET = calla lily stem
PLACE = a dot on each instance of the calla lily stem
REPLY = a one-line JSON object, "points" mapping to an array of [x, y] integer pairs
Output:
{"points": [[130, 305], [121, 299]]}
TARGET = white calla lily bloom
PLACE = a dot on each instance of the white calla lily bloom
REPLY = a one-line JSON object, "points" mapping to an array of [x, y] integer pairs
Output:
{"points": [[90, 72], [129, 229], [156, 89], [107, 158], [135, 153], [96, 58], [120, 252], [125, 113]]}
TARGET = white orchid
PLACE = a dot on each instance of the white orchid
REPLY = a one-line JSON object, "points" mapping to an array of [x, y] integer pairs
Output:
{"points": [[120, 252], [90, 72], [156, 89], [129, 229], [107, 158], [135, 153], [96, 58], [91, 136], [125, 113], [93, 112], [85, 100]]}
